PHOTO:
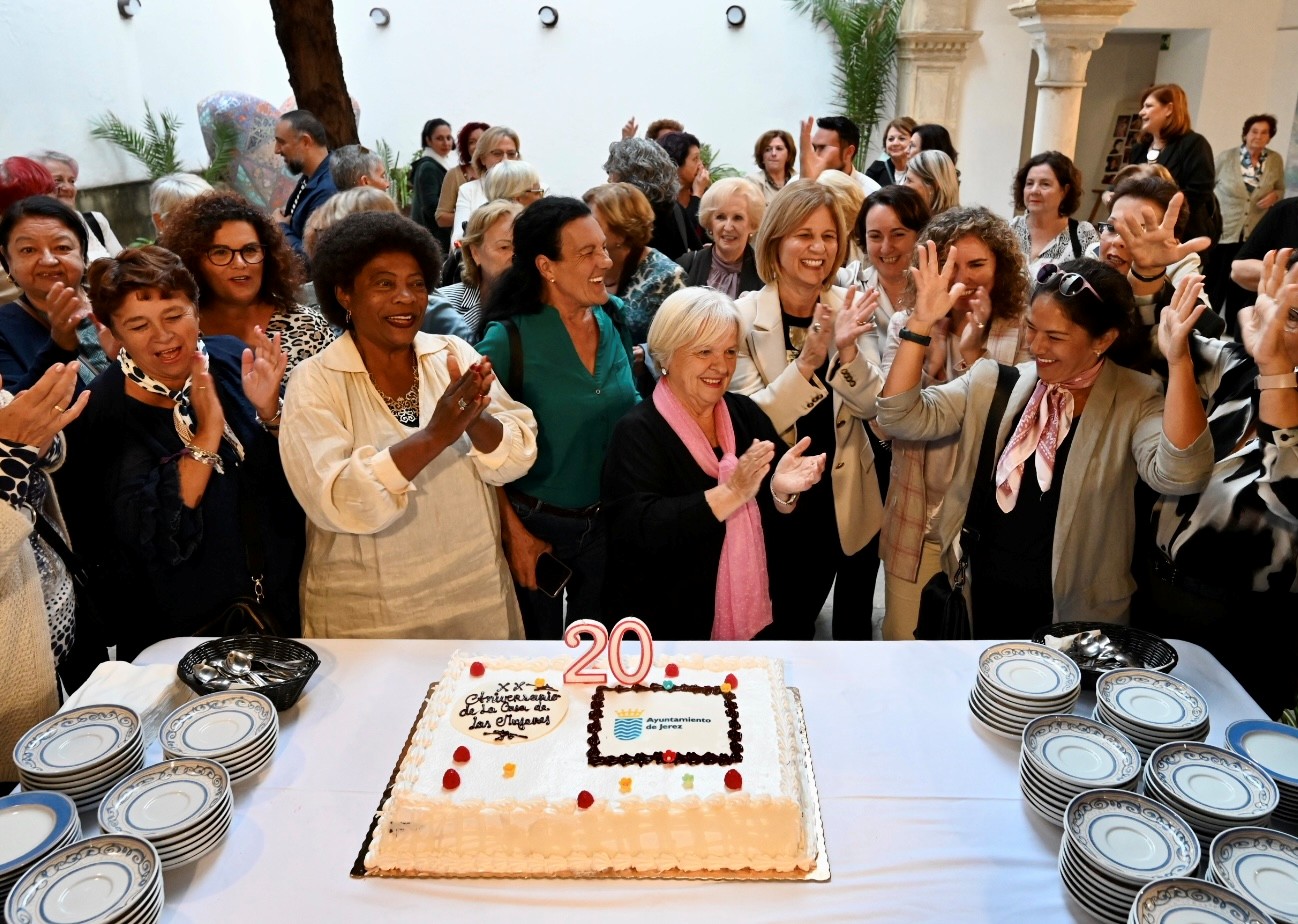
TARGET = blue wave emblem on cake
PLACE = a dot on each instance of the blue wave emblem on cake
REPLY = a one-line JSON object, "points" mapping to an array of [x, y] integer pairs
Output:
{"points": [[628, 725]]}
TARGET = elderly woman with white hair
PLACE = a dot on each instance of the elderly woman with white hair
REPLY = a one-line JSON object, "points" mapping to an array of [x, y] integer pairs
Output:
{"points": [[102, 241], [730, 212], [172, 190], [515, 180], [694, 481], [498, 143]]}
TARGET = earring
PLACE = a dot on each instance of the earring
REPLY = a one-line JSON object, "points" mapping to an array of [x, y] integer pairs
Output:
{"points": [[664, 372], [349, 317], [551, 279]]}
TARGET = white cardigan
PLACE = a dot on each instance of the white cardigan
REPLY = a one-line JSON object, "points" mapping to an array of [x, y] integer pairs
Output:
{"points": [[387, 557]]}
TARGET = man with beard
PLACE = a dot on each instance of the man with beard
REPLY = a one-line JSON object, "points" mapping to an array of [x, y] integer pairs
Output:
{"points": [[301, 139]]}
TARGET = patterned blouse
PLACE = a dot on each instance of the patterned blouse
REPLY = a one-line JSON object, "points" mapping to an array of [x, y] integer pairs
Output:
{"points": [[1250, 169], [305, 332], [655, 278], [1058, 250]]}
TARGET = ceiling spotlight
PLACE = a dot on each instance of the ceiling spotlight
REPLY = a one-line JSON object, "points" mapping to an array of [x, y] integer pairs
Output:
{"points": [[549, 16], [380, 16], [128, 8], [735, 16]]}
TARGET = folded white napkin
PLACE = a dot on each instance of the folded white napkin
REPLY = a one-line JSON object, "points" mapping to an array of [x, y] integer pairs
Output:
{"points": [[153, 691]]}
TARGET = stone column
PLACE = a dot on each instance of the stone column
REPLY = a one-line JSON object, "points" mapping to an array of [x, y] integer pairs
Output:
{"points": [[932, 43], [1064, 34]]}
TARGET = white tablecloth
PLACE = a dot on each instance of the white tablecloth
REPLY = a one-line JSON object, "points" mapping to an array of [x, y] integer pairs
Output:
{"points": [[923, 816]]}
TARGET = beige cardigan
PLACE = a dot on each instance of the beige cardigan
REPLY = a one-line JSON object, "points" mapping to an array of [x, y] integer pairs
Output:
{"points": [[1239, 211], [765, 375], [1119, 437]]}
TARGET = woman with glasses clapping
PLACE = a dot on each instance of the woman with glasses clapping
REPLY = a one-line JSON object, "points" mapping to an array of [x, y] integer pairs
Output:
{"points": [[1055, 518], [246, 274]]}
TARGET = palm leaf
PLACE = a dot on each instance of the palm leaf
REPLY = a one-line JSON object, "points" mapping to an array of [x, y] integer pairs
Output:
{"points": [[717, 171], [225, 145], [154, 147]]}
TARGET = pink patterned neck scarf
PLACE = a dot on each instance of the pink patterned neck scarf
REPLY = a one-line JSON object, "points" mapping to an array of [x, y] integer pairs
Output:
{"points": [[743, 597], [1042, 428]]}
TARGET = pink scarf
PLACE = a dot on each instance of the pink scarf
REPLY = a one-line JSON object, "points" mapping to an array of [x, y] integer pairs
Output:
{"points": [[1042, 428], [743, 599]]}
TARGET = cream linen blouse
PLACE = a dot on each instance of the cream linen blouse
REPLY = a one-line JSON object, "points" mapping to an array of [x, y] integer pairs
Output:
{"points": [[387, 557]]}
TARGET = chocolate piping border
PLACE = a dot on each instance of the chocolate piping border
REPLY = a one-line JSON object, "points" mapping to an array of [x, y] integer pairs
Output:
{"points": [[711, 758]]}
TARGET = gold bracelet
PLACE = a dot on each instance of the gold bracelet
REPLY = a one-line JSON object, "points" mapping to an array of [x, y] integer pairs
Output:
{"points": [[205, 457]]}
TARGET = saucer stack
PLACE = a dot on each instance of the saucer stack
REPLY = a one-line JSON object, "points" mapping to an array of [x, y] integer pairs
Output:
{"points": [[1210, 787], [1260, 864], [1275, 748], [81, 753], [31, 825], [110, 878], [1184, 901], [1064, 755], [1150, 708], [182, 807], [238, 730], [1116, 842], [1018, 682]]}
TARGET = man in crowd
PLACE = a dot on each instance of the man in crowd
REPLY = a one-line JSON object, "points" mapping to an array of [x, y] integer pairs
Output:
{"points": [[830, 143], [301, 139]]}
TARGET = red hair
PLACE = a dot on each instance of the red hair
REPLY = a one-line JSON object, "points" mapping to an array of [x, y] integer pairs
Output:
{"points": [[21, 177]]}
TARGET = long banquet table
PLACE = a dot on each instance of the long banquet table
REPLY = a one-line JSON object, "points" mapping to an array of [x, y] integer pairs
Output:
{"points": [[923, 816]]}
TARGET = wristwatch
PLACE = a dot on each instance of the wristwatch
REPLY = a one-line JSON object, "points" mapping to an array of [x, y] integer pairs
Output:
{"points": [[921, 339], [1279, 380]]}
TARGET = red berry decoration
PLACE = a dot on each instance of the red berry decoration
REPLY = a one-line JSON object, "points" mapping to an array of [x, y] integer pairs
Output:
{"points": [[476, 669], [461, 755], [733, 681], [585, 800], [669, 757], [672, 670], [734, 780], [450, 780]]}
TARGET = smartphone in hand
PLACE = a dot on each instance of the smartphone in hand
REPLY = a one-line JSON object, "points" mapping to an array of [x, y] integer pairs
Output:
{"points": [[552, 575]]}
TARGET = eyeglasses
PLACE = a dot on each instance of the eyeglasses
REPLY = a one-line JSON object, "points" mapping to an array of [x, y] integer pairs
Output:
{"points": [[221, 256], [1071, 284], [1105, 227]]}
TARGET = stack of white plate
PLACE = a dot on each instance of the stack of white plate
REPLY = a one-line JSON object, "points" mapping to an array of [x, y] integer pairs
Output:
{"points": [[1150, 708], [1115, 842], [238, 730], [180, 806], [1275, 748], [1190, 901], [111, 878], [31, 825], [1261, 865], [1020, 681], [81, 753], [1210, 787], [1064, 755]]}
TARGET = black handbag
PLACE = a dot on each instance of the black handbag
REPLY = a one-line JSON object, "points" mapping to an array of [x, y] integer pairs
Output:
{"points": [[943, 610]]}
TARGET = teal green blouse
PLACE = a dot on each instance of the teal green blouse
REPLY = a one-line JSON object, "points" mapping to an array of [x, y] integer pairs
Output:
{"points": [[575, 410]]}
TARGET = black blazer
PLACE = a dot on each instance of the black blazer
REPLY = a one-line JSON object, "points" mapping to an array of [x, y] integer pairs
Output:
{"points": [[1190, 161], [698, 264], [882, 171]]}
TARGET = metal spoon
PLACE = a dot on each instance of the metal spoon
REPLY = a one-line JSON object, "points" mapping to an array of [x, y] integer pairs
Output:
{"points": [[209, 676], [293, 667], [240, 668]]}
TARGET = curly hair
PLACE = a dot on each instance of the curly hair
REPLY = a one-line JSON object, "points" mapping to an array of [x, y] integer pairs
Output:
{"points": [[344, 249], [136, 269], [1267, 120], [722, 191], [626, 210], [193, 224], [1066, 175], [646, 166], [1009, 293], [462, 140]]}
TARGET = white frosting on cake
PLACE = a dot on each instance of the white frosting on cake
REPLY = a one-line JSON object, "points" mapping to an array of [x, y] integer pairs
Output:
{"points": [[530, 822]]}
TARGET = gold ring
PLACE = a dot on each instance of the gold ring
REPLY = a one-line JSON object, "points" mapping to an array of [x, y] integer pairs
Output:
{"points": [[59, 409]]}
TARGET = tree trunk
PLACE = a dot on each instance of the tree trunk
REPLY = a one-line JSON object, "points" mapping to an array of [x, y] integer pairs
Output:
{"points": [[305, 32]]}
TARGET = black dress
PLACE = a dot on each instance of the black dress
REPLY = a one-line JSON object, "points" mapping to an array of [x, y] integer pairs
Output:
{"points": [[164, 569], [1190, 160], [664, 542]]}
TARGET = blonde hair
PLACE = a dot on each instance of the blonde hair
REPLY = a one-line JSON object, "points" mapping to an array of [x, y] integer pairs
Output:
{"points": [[340, 205], [847, 191], [792, 206], [169, 191], [936, 171], [475, 233], [695, 314], [722, 191], [489, 139], [510, 179], [626, 209]]}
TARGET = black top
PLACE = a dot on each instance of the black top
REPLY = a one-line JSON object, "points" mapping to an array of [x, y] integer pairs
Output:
{"points": [[164, 569], [882, 171], [426, 178], [676, 229], [1190, 161], [1277, 228], [664, 543], [698, 265]]}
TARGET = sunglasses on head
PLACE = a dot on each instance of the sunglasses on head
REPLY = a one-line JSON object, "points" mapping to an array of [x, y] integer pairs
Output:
{"points": [[1072, 283]]}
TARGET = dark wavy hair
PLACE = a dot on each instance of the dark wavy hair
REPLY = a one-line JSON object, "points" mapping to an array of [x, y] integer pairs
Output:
{"points": [[934, 137], [1268, 120], [135, 269], [909, 206], [677, 145], [537, 232], [1115, 309], [1066, 174], [40, 207], [1009, 295], [462, 140], [345, 248], [192, 225]]}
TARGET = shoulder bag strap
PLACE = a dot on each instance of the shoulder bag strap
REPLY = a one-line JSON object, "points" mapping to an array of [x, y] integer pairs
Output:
{"points": [[1006, 376], [1072, 236], [254, 549], [93, 224], [515, 384]]}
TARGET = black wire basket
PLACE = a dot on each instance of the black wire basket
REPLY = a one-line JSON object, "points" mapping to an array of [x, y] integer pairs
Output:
{"points": [[283, 693], [1154, 653]]}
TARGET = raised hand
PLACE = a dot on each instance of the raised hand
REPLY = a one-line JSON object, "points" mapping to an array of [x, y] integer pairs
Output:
{"points": [[67, 308], [630, 128], [1152, 243], [263, 372], [1269, 328], [854, 319], [461, 404], [702, 180], [1178, 319], [810, 164], [752, 468], [973, 339], [796, 472], [935, 294], [207, 406], [36, 415], [815, 349]]}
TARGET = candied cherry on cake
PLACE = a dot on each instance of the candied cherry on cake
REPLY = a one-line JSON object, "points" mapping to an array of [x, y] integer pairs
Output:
{"points": [[461, 755], [477, 669], [669, 757], [734, 780], [585, 800], [450, 780], [733, 681], [672, 670]]}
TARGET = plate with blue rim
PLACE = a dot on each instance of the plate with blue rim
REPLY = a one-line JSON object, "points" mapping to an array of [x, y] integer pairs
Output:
{"points": [[1213, 781], [1026, 671], [1150, 700], [1167, 901], [106, 878], [1262, 865], [69, 743], [218, 724], [1270, 744], [166, 799], [1081, 752], [32, 824], [1130, 836]]}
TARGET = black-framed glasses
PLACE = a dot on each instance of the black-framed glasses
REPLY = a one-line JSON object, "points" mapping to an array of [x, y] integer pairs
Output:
{"points": [[1105, 227], [1071, 284], [221, 256]]}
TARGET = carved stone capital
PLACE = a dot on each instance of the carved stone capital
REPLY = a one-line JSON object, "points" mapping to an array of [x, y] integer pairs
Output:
{"points": [[1064, 33], [950, 46]]}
